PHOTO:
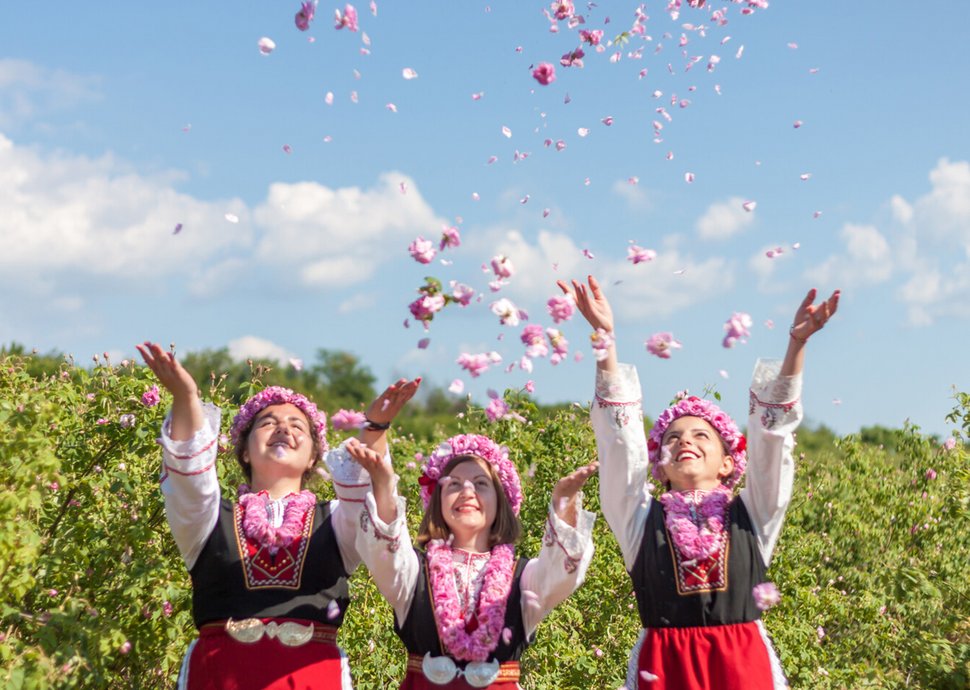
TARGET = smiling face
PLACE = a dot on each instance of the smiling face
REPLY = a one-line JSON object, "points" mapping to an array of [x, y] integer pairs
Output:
{"points": [[698, 458], [469, 500], [279, 444]]}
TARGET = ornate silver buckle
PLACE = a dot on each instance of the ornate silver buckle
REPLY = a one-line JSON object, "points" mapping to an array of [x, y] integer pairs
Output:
{"points": [[251, 630], [441, 670]]}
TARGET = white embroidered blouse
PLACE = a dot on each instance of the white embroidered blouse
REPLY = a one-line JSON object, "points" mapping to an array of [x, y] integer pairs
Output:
{"points": [[557, 572], [617, 417]]}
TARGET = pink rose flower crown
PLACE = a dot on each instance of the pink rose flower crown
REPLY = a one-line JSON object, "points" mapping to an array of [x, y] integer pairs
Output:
{"points": [[277, 395], [479, 446]]}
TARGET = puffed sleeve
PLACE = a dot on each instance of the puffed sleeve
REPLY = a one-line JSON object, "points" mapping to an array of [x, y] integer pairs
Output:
{"points": [[351, 483], [617, 419], [190, 485], [775, 411], [560, 568]]}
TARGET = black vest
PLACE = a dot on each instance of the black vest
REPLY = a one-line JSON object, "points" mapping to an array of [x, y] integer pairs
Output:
{"points": [[420, 632], [663, 604], [222, 588]]}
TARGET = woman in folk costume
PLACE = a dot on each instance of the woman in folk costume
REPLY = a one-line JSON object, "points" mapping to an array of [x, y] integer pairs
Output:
{"points": [[269, 571], [698, 553], [465, 606]]}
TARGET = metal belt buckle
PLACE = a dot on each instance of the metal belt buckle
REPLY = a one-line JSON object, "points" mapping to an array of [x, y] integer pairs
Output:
{"points": [[441, 670], [251, 630]]}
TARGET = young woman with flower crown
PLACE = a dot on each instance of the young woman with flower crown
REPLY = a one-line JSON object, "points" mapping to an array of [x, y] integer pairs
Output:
{"points": [[465, 607], [698, 554], [269, 571]]}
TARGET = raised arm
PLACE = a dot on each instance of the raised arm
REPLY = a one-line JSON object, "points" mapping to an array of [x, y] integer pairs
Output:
{"points": [[595, 308], [809, 319], [189, 441], [567, 549]]}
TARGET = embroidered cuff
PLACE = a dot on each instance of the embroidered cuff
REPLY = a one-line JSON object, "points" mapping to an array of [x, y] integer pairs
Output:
{"points": [[770, 387], [572, 541], [197, 454], [350, 481], [621, 387], [382, 531]]}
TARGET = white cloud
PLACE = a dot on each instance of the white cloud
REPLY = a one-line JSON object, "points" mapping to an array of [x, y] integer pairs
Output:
{"points": [[252, 347], [67, 218], [724, 219], [28, 91], [943, 214], [335, 237], [670, 282], [635, 196], [358, 302], [866, 259]]}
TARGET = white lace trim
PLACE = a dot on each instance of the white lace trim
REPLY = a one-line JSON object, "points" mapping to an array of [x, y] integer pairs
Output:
{"points": [[623, 385], [777, 674], [631, 668], [344, 469], [770, 386]]}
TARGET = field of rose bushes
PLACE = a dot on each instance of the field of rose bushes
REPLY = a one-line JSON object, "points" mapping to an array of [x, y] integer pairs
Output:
{"points": [[872, 566]]}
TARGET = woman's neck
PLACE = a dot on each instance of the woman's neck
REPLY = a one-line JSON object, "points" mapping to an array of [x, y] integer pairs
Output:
{"points": [[476, 542], [277, 488]]}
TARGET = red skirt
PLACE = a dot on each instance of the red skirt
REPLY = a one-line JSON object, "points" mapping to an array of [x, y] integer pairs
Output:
{"points": [[219, 662], [725, 657], [508, 678]]}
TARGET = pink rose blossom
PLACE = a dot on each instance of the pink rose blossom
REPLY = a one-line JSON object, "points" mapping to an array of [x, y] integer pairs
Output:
{"points": [[305, 16], [508, 314], [573, 59], [601, 341], [950, 444], [561, 308], [544, 73], [477, 364], [126, 421], [422, 250], [462, 294], [737, 328], [530, 386], [660, 344], [766, 595], [502, 266], [457, 387], [266, 46], [639, 255], [150, 398], [560, 346], [534, 338], [425, 307], [348, 20], [931, 474], [342, 420], [564, 9], [125, 647], [450, 238], [592, 37]]}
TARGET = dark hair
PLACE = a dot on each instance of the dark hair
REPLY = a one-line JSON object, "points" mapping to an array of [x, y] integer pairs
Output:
{"points": [[506, 528], [240, 450]]}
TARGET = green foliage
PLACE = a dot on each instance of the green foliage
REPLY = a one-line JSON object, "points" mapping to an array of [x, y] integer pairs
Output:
{"points": [[875, 549]]}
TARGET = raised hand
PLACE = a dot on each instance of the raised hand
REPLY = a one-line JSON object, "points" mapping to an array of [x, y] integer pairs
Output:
{"points": [[811, 318], [591, 302], [564, 495], [381, 475], [187, 415], [386, 406]]}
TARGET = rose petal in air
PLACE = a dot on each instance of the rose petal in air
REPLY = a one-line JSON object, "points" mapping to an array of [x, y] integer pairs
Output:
{"points": [[232, 217], [266, 45], [391, 107], [749, 206], [797, 123], [178, 229], [328, 99], [287, 148], [582, 131], [423, 343], [409, 73], [507, 132], [545, 213], [688, 177]]}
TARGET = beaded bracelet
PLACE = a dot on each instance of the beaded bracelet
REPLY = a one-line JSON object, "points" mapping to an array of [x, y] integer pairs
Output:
{"points": [[375, 426]]}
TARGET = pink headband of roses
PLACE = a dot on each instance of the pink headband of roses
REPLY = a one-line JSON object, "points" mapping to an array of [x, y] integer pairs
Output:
{"points": [[277, 395], [716, 417], [482, 447]]}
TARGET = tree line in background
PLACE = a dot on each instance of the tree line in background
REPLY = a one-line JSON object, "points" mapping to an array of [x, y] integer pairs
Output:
{"points": [[872, 565]]}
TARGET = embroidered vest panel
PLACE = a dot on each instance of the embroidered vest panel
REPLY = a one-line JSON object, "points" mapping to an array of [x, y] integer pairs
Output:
{"points": [[673, 593], [236, 578], [420, 631]]}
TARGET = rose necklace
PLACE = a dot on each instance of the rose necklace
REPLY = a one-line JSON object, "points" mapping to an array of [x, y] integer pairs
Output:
{"points": [[477, 644], [256, 524], [695, 521]]}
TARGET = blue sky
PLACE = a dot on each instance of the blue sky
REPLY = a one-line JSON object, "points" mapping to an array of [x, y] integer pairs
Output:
{"points": [[117, 124]]}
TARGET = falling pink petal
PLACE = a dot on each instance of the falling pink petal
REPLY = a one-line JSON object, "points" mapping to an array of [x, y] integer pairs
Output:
{"points": [[586, 182], [187, 128], [749, 206], [409, 73], [805, 176], [524, 200], [373, 8], [588, 254], [797, 123], [582, 131], [740, 52], [287, 148], [457, 386], [333, 609], [328, 99], [813, 70], [816, 214], [475, 196], [403, 186], [491, 159], [266, 45], [633, 180], [391, 107], [560, 145], [327, 139], [423, 343], [670, 155], [648, 677], [769, 324], [793, 46], [608, 120], [232, 217], [724, 374], [478, 96], [178, 229], [354, 98], [507, 132], [545, 213], [544, 73], [567, 99], [688, 177], [797, 246]]}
